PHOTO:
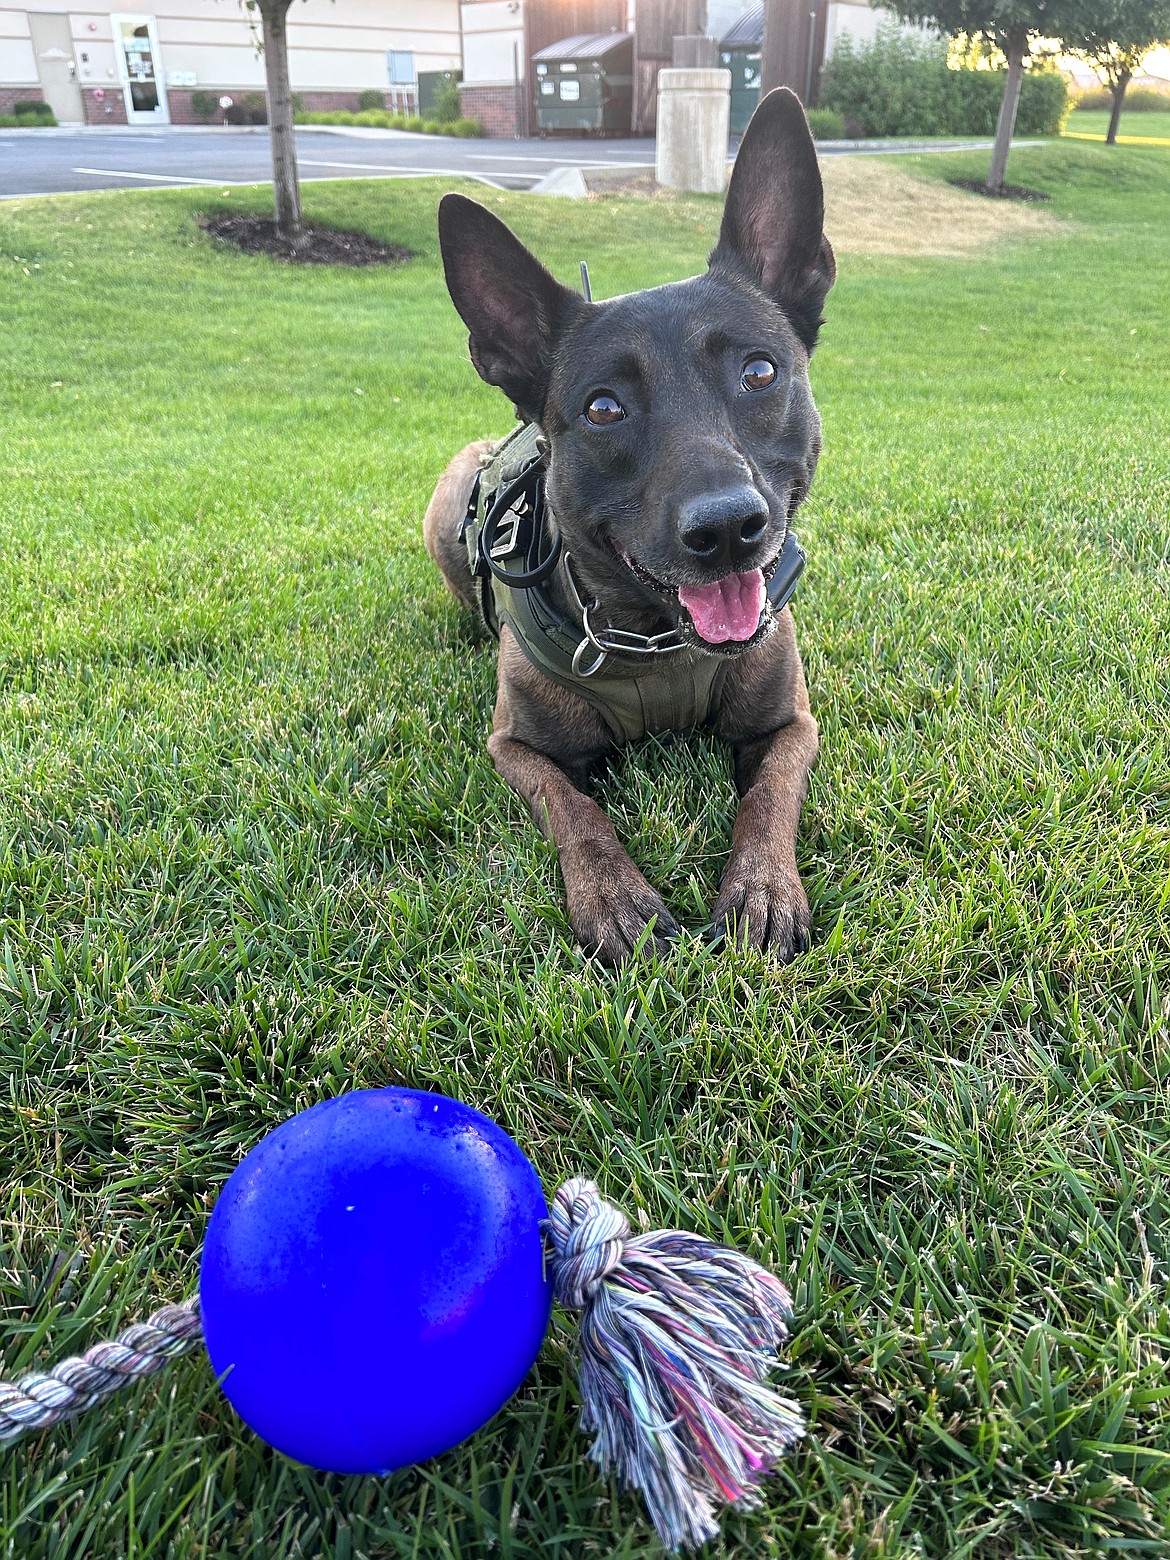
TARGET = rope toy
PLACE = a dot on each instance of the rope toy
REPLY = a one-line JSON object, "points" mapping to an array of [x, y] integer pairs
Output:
{"points": [[376, 1281]]}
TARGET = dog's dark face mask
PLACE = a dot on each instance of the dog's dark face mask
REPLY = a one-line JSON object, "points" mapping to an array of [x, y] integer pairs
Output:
{"points": [[682, 428]]}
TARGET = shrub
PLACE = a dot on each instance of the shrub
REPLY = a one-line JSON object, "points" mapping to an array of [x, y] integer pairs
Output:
{"points": [[826, 124], [371, 98], [26, 122], [446, 106], [255, 106], [1044, 103], [901, 85], [32, 112], [380, 119], [297, 99], [204, 104]]}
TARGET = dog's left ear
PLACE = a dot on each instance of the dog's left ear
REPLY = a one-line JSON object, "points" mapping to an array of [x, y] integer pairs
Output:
{"points": [[774, 215]]}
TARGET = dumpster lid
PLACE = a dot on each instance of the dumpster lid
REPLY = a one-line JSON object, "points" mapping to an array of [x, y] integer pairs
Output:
{"points": [[748, 30], [584, 46]]}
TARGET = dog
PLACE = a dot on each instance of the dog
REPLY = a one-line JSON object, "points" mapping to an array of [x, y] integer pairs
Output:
{"points": [[670, 436]]}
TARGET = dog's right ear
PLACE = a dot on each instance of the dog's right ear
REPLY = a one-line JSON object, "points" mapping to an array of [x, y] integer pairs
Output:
{"points": [[512, 306]]}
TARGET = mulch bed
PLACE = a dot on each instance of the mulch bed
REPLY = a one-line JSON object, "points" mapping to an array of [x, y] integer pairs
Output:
{"points": [[319, 245], [1007, 192]]}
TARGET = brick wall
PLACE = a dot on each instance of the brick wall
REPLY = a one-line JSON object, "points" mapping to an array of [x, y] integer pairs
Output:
{"points": [[494, 107], [11, 95], [107, 110]]}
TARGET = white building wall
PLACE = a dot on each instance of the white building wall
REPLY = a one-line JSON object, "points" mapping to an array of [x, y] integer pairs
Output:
{"points": [[493, 43], [337, 45], [18, 63]]}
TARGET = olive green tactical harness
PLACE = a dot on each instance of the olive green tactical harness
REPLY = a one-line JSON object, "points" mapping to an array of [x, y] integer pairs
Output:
{"points": [[632, 680]]}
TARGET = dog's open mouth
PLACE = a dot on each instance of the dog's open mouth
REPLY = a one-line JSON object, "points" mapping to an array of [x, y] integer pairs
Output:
{"points": [[728, 610]]}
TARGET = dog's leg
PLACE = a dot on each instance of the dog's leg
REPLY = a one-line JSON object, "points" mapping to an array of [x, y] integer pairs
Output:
{"points": [[761, 897], [543, 734]]}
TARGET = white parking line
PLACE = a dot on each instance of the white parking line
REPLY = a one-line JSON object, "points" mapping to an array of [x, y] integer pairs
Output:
{"points": [[154, 178], [310, 162], [390, 170], [573, 162]]}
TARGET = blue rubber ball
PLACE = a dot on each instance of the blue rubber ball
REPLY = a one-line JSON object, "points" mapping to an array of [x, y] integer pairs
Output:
{"points": [[372, 1279]]}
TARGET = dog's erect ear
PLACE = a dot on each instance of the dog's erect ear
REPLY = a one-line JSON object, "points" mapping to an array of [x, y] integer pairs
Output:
{"points": [[512, 306], [775, 212]]}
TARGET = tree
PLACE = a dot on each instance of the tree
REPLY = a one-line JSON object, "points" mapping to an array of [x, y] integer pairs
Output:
{"points": [[1007, 25], [286, 187], [1114, 36]]}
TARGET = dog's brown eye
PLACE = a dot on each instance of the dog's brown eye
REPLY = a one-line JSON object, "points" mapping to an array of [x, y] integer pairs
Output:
{"points": [[604, 408], [758, 373]]}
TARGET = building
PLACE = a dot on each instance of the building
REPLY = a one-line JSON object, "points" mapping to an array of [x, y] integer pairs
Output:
{"points": [[176, 63], [97, 67]]}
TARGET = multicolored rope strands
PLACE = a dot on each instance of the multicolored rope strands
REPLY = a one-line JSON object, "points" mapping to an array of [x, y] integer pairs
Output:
{"points": [[678, 1336], [44, 1398]]}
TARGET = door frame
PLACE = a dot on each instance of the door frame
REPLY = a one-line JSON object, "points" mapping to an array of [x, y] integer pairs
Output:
{"points": [[136, 116]]}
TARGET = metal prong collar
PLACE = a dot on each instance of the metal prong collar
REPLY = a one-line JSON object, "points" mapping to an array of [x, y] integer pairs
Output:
{"points": [[609, 640]]}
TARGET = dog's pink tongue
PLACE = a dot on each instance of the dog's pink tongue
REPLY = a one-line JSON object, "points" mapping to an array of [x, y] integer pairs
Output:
{"points": [[729, 609]]}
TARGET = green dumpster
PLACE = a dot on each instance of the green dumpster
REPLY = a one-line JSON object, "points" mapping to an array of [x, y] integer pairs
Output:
{"points": [[739, 52], [585, 83]]}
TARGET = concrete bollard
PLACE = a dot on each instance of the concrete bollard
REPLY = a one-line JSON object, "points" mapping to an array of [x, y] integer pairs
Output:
{"points": [[694, 108]]}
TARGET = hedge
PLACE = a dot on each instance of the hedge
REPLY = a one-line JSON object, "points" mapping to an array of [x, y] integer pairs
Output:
{"points": [[900, 85], [1138, 100], [379, 119]]}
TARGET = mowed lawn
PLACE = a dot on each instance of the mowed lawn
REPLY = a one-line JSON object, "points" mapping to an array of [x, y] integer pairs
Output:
{"points": [[253, 853], [1153, 124]]}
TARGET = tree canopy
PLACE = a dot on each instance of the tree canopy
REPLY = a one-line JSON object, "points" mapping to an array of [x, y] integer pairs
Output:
{"points": [[998, 21], [1114, 36]]}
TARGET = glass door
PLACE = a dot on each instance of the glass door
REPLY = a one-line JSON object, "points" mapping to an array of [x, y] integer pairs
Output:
{"points": [[136, 45]]}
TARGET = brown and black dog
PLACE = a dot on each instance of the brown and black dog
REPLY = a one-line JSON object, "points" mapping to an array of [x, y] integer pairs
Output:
{"points": [[681, 437]]}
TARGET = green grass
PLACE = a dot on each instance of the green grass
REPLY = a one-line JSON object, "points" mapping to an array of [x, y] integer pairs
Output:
{"points": [[252, 853], [1154, 125]]}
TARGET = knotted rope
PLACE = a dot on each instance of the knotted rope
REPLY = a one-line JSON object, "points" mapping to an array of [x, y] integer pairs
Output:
{"points": [[43, 1398], [678, 1336]]}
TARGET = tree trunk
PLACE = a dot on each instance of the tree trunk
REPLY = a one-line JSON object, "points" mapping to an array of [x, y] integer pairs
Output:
{"points": [[1118, 90], [1017, 44], [286, 188]]}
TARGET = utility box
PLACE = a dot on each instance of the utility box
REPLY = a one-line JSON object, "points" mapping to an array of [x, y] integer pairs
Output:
{"points": [[430, 83], [585, 83], [740, 52]]}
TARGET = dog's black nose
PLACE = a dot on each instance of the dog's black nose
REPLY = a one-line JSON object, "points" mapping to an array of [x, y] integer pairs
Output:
{"points": [[723, 528]]}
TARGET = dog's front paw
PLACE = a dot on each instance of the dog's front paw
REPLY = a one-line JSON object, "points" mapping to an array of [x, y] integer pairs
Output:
{"points": [[611, 904], [763, 903]]}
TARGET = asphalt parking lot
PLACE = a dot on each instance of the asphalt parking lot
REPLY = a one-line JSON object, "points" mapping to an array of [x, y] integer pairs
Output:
{"points": [[52, 162], [39, 162]]}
